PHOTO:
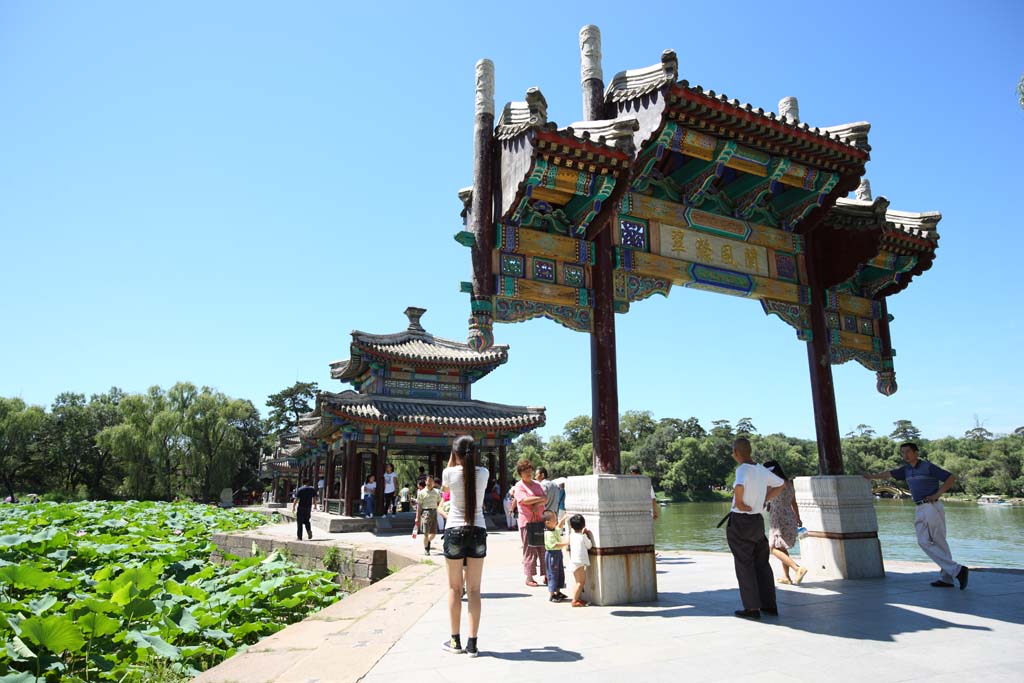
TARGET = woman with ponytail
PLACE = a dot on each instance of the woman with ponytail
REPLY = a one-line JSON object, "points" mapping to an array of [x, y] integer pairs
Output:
{"points": [[465, 539]]}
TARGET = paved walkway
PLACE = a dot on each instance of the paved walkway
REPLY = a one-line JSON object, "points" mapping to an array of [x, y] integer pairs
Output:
{"points": [[892, 629]]}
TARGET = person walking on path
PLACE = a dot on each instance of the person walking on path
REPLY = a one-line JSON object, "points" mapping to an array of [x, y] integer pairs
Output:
{"points": [[403, 498], [754, 486], [302, 506], [530, 500], [390, 486], [465, 540], [927, 482], [427, 500], [368, 490], [551, 490], [783, 523]]}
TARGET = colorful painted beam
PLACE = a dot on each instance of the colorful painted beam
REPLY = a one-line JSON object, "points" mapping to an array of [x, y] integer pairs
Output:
{"points": [[709, 277], [649, 208]]}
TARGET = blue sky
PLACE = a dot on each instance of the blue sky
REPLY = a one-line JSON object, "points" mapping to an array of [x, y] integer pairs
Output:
{"points": [[221, 192]]}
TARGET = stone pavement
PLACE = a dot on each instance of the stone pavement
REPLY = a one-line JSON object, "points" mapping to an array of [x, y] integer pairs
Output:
{"points": [[891, 629]]}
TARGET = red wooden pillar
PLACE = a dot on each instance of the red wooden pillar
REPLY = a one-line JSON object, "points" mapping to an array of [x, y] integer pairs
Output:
{"points": [[329, 476], [352, 471], [823, 394], [378, 471], [502, 469], [316, 477], [604, 383]]}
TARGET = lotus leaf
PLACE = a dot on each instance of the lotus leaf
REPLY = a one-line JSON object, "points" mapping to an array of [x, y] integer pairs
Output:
{"points": [[56, 633], [98, 624], [41, 604]]}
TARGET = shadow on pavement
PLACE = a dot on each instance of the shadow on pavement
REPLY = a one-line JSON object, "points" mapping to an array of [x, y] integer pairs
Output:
{"points": [[537, 654], [862, 610], [498, 596]]}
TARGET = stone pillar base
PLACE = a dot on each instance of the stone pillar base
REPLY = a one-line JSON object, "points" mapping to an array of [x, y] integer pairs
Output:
{"points": [[842, 530], [617, 509]]}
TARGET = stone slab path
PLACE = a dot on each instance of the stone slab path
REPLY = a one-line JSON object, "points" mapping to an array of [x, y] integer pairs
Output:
{"points": [[892, 629]]}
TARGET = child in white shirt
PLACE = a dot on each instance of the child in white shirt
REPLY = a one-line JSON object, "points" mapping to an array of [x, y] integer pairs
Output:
{"points": [[580, 542]]}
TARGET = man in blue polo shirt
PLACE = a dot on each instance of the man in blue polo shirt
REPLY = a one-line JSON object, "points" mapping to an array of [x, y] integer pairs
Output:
{"points": [[927, 483]]}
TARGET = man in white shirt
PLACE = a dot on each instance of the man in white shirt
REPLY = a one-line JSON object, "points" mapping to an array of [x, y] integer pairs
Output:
{"points": [[755, 485]]}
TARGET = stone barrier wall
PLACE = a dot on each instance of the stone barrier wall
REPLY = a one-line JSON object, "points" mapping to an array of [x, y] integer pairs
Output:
{"points": [[356, 565]]}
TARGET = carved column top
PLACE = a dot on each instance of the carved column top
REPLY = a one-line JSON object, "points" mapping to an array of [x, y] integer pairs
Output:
{"points": [[485, 87], [590, 53]]}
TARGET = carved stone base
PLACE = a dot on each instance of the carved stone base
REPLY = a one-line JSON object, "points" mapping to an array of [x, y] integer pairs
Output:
{"points": [[842, 530], [617, 509]]}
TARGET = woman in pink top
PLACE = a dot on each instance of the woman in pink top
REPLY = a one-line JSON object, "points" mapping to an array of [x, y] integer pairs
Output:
{"points": [[530, 500]]}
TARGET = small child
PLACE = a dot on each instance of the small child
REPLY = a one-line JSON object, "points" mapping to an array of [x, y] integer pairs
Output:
{"points": [[510, 510], [580, 541], [553, 545]]}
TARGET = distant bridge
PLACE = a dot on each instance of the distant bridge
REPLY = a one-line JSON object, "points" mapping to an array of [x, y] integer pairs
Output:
{"points": [[891, 490]]}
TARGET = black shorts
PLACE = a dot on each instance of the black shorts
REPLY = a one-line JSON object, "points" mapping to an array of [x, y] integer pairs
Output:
{"points": [[465, 541]]}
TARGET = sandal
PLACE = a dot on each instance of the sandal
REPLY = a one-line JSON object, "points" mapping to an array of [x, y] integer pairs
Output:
{"points": [[800, 575], [784, 580], [532, 584], [578, 603]]}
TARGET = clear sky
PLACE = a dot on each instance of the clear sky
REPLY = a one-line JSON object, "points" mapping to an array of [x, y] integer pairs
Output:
{"points": [[221, 192]]}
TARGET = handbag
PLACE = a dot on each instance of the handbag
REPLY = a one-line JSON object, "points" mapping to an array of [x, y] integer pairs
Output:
{"points": [[535, 534]]}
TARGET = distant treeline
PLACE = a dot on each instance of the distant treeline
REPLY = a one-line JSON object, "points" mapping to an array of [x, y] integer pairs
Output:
{"points": [[682, 456], [190, 442]]}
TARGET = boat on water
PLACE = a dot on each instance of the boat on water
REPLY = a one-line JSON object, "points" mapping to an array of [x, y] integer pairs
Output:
{"points": [[992, 500]]}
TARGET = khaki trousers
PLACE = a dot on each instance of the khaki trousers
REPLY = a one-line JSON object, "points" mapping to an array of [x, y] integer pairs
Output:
{"points": [[930, 525]]}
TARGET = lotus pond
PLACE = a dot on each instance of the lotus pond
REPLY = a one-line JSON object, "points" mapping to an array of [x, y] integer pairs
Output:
{"points": [[102, 591]]}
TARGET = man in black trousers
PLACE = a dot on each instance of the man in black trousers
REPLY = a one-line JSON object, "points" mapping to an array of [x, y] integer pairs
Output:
{"points": [[302, 498], [755, 485]]}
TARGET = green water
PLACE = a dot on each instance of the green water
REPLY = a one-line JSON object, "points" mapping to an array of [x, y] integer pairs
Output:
{"points": [[982, 535]]}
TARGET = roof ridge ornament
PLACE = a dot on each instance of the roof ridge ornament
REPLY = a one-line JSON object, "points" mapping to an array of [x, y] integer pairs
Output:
{"points": [[518, 117], [590, 50], [863, 191], [414, 314], [634, 83], [617, 133], [789, 110], [855, 134]]}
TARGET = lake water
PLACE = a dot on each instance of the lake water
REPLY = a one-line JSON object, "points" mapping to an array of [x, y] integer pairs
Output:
{"points": [[978, 535]]}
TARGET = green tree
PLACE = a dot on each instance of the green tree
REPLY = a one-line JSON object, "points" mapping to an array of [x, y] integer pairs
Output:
{"points": [[20, 430], [129, 444], [579, 431], [634, 427], [691, 427], [69, 439], [287, 405], [861, 430], [904, 430], [212, 424], [565, 460], [102, 472], [745, 427], [148, 443]]}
